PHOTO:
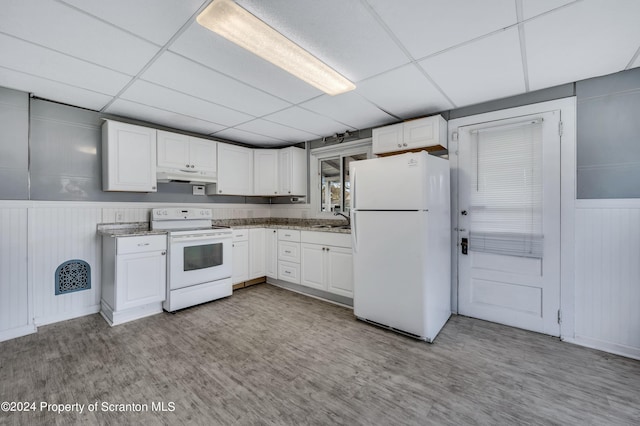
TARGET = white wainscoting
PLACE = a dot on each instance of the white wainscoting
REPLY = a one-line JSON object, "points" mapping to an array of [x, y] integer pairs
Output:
{"points": [[15, 314], [607, 275], [37, 236], [59, 233]]}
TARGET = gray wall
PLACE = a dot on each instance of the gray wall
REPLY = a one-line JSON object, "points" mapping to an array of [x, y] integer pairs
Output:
{"points": [[14, 150], [59, 150], [609, 136], [64, 145]]}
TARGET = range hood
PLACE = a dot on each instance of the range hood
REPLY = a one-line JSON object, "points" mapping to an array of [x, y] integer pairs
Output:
{"points": [[164, 175]]}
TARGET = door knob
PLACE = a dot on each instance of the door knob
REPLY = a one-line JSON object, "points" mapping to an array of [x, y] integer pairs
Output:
{"points": [[463, 212]]}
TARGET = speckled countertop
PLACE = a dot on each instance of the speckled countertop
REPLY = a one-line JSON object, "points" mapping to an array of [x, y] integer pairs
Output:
{"points": [[127, 229], [321, 225], [143, 228]]}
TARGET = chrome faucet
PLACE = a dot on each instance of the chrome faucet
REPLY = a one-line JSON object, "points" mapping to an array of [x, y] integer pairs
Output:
{"points": [[345, 216]]}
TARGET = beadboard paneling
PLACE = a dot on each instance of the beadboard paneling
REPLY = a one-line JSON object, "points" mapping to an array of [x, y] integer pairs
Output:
{"points": [[607, 276], [15, 315], [58, 234]]}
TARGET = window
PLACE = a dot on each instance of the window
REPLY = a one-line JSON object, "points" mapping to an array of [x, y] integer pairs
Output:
{"points": [[330, 186], [506, 190]]}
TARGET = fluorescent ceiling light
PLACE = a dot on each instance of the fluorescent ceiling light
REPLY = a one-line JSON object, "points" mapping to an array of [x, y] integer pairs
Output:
{"points": [[237, 25]]}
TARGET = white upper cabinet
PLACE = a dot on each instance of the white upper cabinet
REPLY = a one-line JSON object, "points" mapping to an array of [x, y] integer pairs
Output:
{"points": [[428, 133], [235, 170], [186, 153], [292, 171], [128, 157], [265, 169]]}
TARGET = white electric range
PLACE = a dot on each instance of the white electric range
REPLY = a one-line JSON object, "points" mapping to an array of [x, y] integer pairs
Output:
{"points": [[199, 256]]}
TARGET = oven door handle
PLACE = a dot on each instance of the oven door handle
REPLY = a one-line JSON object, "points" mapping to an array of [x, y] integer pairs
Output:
{"points": [[212, 238]]}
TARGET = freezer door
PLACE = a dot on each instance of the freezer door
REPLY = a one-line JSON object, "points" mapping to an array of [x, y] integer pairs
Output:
{"points": [[389, 268], [397, 182]]}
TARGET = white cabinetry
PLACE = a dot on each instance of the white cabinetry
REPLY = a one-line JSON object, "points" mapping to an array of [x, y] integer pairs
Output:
{"points": [[326, 260], [271, 253], [289, 255], [292, 171], [257, 258], [240, 261], [133, 277], [128, 157], [182, 152], [265, 169], [235, 171], [249, 259], [428, 133]]}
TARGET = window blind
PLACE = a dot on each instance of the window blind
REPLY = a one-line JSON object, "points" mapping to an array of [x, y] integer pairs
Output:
{"points": [[506, 190]]}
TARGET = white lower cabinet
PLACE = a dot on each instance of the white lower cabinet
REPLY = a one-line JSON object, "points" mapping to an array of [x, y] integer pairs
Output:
{"points": [[133, 277], [240, 253], [289, 255], [257, 259], [339, 270], [271, 253], [249, 258], [326, 261]]}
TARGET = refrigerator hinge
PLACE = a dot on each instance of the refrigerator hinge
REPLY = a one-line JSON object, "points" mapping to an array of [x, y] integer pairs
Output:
{"points": [[559, 317], [560, 128], [454, 136]]}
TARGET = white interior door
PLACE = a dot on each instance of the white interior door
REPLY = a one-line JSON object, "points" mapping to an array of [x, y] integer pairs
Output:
{"points": [[509, 221]]}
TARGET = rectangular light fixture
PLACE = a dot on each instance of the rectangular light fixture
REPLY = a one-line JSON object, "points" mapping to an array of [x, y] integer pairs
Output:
{"points": [[239, 26]]}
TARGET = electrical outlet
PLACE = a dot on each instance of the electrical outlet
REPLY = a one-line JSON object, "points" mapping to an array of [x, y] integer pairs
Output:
{"points": [[119, 216], [198, 190]]}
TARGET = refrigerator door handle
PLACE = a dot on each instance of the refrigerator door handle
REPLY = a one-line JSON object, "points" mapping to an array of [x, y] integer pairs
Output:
{"points": [[352, 172], [354, 232]]}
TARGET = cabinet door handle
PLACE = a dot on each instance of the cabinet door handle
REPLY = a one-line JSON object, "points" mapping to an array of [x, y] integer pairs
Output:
{"points": [[399, 145], [163, 253], [186, 165], [142, 244]]}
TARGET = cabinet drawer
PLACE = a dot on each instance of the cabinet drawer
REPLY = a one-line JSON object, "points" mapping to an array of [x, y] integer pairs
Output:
{"points": [[289, 235], [240, 235], [141, 244], [288, 271], [289, 251]]}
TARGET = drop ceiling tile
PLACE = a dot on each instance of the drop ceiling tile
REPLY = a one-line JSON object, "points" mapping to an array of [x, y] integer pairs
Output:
{"points": [[176, 72], [349, 108], [276, 131], [486, 69], [531, 8], [250, 138], [308, 121], [213, 51], [404, 92], [584, 40], [343, 34], [169, 100], [62, 28], [52, 90], [154, 20], [164, 118], [38, 61], [425, 27]]}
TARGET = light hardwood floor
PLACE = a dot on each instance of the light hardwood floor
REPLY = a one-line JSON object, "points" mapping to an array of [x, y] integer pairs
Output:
{"points": [[270, 356]]}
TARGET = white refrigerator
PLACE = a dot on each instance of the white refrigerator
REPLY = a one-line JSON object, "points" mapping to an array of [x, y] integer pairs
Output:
{"points": [[401, 232]]}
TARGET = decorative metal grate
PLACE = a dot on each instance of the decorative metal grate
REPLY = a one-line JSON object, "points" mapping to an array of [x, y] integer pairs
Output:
{"points": [[73, 275]]}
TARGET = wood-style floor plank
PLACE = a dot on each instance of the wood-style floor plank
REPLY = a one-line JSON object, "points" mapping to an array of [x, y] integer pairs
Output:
{"points": [[270, 356]]}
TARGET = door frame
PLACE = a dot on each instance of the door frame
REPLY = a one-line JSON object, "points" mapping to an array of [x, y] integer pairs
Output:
{"points": [[567, 107]]}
